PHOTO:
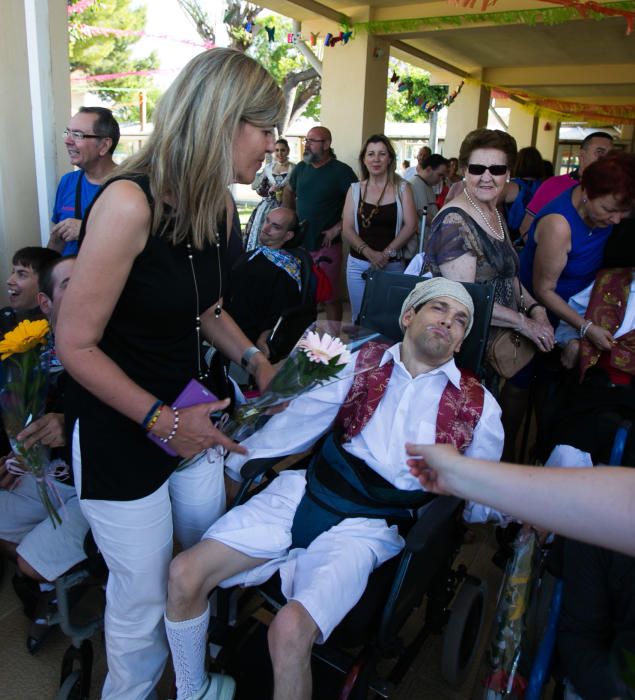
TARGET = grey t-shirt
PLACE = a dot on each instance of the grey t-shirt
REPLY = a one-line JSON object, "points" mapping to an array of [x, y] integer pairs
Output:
{"points": [[424, 196]]}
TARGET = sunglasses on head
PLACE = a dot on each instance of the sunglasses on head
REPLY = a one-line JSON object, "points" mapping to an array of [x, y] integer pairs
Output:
{"points": [[478, 169]]}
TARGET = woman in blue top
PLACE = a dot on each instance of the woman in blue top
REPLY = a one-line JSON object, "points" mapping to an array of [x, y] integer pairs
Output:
{"points": [[566, 241]]}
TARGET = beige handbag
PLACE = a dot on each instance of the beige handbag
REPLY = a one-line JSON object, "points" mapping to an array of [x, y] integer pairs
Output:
{"points": [[508, 351]]}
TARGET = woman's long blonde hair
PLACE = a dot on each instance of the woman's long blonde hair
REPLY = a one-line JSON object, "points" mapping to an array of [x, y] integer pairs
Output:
{"points": [[188, 156]]}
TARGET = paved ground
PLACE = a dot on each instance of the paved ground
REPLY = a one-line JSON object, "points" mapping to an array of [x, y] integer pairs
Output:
{"points": [[26, 677]]}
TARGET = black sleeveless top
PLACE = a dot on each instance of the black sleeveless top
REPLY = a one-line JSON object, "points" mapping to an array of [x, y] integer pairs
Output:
{"points": [[151, 336]]}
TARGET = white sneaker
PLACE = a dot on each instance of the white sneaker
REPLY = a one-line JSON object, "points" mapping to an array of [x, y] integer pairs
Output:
{"points": [[218, 687]]}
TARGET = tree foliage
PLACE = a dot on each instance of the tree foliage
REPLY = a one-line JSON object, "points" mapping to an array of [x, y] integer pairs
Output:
{"points": [[299, 81], [108, 53], [400, 106]]}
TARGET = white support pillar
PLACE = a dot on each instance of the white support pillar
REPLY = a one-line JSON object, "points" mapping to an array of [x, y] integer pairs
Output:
{"points": [[18, 208], [523, 125], [354, 82], [547, 139], [47, 50], [467, 113], [34, 108]]}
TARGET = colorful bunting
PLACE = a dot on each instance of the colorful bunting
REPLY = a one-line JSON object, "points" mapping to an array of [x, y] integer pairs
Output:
{"points": [[406, 85]]}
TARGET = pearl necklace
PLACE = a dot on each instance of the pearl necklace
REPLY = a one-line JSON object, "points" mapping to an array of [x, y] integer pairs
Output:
{"points": [[499, 236], [203, 373]]}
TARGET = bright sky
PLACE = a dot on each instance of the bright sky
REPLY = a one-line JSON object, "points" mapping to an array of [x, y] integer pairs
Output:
{"points": [[167, 19]]}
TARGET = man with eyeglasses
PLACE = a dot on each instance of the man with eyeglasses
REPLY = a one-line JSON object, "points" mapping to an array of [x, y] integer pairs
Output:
{"points": [[90, 138], [317, 189]]}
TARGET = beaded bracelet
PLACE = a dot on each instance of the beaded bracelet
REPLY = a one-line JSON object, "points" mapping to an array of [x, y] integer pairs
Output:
{"points": [[584, 328], [175, 427], [153, 415]]}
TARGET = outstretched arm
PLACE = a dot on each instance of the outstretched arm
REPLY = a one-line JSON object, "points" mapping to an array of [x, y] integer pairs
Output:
{"points": [[593, 505]]}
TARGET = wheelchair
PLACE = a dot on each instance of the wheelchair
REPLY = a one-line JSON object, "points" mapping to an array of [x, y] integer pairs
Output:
{"points": [[372, 630], [537, 652], [70, 588]]}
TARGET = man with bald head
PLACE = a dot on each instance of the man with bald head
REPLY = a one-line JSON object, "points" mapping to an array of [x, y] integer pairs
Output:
{"points": [[325, 529], [317, 189]]}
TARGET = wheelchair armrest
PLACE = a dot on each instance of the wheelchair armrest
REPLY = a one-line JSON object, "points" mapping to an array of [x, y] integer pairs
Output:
{"points": [[254, 468], [432, 521]]}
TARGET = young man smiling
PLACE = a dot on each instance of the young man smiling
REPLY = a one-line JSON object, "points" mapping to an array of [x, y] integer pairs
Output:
{"points": [[23, 286]]}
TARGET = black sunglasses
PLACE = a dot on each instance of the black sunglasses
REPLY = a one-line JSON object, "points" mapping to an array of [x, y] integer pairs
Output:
{"points": [[478, 169]]}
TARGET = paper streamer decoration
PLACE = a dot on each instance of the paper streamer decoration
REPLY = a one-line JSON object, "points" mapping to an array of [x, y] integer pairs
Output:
{"points": [[470, 3], [89, 30], [79, 7], [113, 76], [566, 11]]}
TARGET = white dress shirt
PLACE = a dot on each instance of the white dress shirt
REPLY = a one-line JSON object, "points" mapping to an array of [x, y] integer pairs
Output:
{"points": [[407, 412]]}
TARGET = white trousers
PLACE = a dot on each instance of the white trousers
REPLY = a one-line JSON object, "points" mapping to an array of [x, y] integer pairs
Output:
{"points": [[356, 283], [50, 550], [136, 540], [330, 575]]}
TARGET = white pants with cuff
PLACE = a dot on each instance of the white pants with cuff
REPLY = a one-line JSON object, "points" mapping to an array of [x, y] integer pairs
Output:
{"points": [[136, 540], [330, 575]]}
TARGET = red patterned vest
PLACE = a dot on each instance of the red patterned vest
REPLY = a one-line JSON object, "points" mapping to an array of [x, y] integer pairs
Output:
{"points": [[607, 307], [459, 409]]}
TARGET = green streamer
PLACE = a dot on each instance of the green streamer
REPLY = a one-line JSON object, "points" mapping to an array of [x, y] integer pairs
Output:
{"points": [[548, 16]]}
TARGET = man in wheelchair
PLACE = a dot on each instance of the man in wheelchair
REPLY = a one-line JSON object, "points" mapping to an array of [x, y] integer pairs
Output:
{"points": [[268, 280], [326, 529]]}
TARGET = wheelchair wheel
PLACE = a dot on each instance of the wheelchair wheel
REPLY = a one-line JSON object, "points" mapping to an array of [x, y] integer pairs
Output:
{"points": [[463, 632], [71, 688], [77, 666]]}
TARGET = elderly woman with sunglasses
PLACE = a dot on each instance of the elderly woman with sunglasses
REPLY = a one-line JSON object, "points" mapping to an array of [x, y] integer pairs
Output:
{"points": [[469, 242]]}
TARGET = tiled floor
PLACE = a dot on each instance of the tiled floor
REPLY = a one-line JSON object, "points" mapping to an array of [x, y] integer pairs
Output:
{"points": [[26, 677]]}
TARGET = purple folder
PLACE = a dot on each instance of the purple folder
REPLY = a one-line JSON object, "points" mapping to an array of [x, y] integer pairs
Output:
{"points": [[193, 394]]}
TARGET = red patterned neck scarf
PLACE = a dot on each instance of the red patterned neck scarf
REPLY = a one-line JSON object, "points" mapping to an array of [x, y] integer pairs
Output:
{"points": [[459, 409], [607, 307]]}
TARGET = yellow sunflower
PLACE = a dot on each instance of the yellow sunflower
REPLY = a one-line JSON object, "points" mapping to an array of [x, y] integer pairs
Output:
{"points": [[23, 337]]}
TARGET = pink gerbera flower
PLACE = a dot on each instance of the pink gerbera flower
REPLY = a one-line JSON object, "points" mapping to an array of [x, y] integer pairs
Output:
{"points": [[323, 350]]}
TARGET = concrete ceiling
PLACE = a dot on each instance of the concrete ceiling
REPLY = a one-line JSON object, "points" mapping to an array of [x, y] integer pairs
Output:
{"points": [[582, 59]]}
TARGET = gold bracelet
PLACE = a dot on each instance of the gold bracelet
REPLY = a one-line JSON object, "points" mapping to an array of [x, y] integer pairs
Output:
{"points": [[154, 418], [362, 247]]}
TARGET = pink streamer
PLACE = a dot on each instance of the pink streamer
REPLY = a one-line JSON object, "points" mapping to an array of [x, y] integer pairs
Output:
{"points": [[113, 76], [90, 30], [79, 7]]}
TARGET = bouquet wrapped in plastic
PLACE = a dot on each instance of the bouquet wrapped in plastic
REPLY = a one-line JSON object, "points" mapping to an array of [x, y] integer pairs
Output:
{"points": [[24, 379], [504, 678], [322, 356]]}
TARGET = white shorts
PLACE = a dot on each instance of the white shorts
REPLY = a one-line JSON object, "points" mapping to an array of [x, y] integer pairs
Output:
{"points": [[23, 519], [327, 578]]}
